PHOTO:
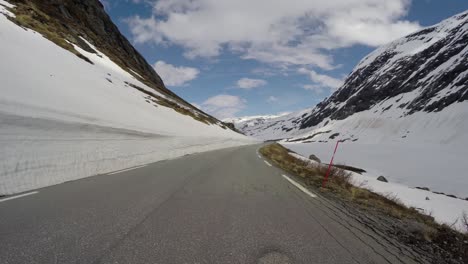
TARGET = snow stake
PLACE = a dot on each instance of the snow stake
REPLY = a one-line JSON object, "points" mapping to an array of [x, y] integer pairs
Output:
{"points": [[329, 166]]}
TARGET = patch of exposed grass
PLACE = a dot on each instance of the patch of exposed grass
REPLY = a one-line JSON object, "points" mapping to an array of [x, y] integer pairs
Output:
{"points": [[313, 174], [177, 107], [30, 16], [428, 231]]}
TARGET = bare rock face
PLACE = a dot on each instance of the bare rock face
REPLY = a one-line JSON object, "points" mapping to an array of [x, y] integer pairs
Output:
{"points": [[382, 179], [399, 68], [315, 158]]}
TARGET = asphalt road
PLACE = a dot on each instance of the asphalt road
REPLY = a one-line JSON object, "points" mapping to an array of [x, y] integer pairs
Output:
{"points": [[224, 206]]}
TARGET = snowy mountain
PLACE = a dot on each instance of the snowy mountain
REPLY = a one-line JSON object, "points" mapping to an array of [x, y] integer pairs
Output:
{"points": [[78, 100], [248, 124], [415, 88]]}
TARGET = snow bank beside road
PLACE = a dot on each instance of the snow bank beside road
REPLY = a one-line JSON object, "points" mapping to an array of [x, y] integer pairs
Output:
{"points": [[38, 152], [62, 118], [396, 162], [444, 209], [441, 168]]}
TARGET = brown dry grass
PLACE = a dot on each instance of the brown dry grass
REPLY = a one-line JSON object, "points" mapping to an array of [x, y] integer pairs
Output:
{"points": [[465, 222], [170, 104], [349, 168], [29, 16]]}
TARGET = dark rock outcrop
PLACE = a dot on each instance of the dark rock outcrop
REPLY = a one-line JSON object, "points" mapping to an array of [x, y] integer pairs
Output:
{"points": [[391, 71], [315, 158], [382, 179]]}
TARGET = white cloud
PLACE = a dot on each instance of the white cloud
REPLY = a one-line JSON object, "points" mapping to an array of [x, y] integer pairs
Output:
{"points": [[173, 75], [320, 80], [295, 32], [246, 83], [272, 99], [313, 87], [264, 71], [223, 105]]}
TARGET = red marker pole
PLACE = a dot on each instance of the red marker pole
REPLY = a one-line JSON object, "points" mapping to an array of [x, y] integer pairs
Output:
{"points": [[329, 166]]}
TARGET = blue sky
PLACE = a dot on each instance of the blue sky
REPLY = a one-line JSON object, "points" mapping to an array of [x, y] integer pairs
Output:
{"points": [[239, 58]]}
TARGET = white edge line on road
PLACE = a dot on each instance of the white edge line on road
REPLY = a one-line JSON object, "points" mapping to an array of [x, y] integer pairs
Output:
{"points": [[17, 196], [299, 186], [267, 163], [124, 170], [258, 153]]}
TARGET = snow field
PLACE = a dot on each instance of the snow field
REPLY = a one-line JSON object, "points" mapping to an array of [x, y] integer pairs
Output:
{"points": [[397, 165]]}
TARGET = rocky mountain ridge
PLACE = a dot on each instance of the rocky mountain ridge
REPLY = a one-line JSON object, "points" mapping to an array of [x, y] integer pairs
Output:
{"points": [[70, 23], [425, 72]]}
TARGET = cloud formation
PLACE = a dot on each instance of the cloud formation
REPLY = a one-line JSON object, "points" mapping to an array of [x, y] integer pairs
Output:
{"points": [[223, 105], [317, 89], [247, 83], [320, 81], [272, 99], [175, 75], [298, 32]]}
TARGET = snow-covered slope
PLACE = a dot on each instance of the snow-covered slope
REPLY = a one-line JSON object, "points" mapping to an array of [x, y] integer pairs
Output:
{"points": [[63, 117], [248, 124]]}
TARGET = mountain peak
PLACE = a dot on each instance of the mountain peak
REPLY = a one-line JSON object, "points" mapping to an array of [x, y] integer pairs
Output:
{"points": [[424, 72]]}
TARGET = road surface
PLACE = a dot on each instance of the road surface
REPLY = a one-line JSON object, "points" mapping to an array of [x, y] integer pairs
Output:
{"points": [[224, 206]]}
